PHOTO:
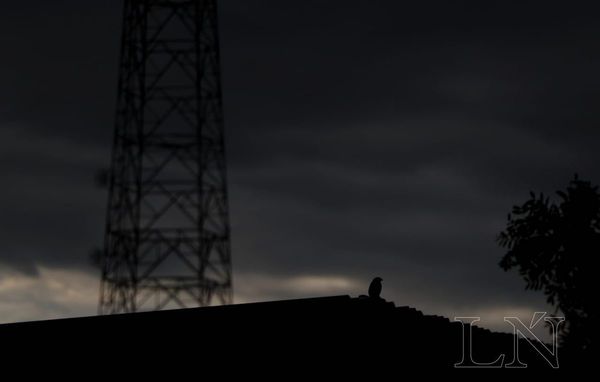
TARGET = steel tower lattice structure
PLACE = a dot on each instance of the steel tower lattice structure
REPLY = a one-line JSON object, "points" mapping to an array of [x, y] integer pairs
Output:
{"points": [[167, 241]]}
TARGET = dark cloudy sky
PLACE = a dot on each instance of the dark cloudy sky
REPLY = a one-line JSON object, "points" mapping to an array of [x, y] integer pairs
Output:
{"points": [[364, 138]]}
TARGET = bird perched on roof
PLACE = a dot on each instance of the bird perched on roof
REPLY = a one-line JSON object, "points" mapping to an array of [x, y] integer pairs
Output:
{"points": [[375, 288]]}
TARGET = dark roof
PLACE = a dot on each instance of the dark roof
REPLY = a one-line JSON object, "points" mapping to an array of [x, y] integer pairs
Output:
{"points": [[320, 331]]}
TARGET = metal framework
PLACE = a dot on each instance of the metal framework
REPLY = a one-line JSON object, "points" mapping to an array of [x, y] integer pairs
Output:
{"points": [[167, 241]]}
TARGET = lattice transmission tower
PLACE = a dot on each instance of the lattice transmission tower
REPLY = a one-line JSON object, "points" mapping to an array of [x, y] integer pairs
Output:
{"points": [[167, 241]]}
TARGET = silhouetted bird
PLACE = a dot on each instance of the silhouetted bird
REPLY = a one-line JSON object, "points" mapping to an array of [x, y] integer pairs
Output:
{"points": [[375, 288]]}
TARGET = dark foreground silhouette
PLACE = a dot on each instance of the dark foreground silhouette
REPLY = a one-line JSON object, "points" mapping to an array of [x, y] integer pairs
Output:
{"points": [[331, 333]]}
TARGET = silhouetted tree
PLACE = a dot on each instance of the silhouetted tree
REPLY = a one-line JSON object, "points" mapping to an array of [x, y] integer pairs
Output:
{"points": [[555, 247]]}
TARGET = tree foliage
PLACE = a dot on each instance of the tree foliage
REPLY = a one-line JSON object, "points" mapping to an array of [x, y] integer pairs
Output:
{"points": [[555, 247]]}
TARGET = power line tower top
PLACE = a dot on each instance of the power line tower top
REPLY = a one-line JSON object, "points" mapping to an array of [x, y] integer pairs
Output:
{"points": [[167, 241]]}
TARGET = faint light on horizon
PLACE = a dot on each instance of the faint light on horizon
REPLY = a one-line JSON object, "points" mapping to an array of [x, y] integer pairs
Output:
{"points": [[50, 294], [61, 293], [263, 287]]}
